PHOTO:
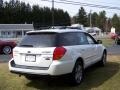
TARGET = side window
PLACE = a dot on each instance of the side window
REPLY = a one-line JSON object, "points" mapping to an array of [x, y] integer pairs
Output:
{"points": [[82, 39], [67, 39], [90, 39]]}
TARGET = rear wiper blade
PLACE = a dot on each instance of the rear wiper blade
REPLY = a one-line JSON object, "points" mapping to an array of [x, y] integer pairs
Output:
{"points": [[26, 45]]}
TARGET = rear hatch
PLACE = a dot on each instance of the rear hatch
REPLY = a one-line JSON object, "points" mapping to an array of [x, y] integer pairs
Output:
{"points": [[36, 49], [39, 57]]}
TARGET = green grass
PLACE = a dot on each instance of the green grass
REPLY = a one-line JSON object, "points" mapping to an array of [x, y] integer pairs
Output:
{"points": [[96, 78], [107, 42]]}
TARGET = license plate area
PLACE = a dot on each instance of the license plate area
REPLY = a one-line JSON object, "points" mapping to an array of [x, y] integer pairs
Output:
{"points": [[30, 58]]}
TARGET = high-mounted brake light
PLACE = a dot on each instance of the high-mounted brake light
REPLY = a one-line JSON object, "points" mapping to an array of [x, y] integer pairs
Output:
{"points": [[59, 52]]}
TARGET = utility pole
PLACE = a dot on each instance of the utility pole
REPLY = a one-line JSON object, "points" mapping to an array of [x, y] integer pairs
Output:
{"points": [[90, 19], [53, 13], [106, 25]]}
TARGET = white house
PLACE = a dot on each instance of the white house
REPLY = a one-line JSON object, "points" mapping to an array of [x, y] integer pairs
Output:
{"points": [[78, 26], [14, 30], [93, 30], [112, 30]]}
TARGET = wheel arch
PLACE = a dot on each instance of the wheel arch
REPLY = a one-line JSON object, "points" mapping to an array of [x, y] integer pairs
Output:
{"points": [[80, 59], [105, 51]]}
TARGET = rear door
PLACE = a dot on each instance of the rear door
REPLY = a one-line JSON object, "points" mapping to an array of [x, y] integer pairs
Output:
{"points": [[93, 47], [84, 48], [38, 57]]}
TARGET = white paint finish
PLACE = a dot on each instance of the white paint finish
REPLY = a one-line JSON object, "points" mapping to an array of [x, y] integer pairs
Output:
{"points": [[90, 53], [20, 54]]}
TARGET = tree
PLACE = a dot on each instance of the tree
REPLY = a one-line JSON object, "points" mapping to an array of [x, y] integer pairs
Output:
{"points": [[23, 12], [1, 11], [12, 3], [18, 12], [47, 16], [116, 22], [36, 17], [102, 20], [28, 13], [109, 24], [67, 19], [82, 17], [94, 18], [74, 20], [1, 3]]}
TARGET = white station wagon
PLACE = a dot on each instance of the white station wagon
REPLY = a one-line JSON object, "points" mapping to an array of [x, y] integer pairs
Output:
{"points": [[57, 52]]}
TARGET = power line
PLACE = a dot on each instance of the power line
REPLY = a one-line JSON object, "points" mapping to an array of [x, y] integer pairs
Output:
{"points": [[105, 2], [91, 5], [84, 4]]}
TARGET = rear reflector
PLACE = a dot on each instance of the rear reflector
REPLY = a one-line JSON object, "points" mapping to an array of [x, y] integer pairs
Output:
{"points": [[59, 52]]}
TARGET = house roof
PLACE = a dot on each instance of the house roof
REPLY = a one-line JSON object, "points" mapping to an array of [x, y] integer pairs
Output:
{"points": [[93, 28], [16, 27]]}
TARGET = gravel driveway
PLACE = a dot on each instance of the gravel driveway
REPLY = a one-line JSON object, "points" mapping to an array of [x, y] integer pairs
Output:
{"points": [[5, 58]]}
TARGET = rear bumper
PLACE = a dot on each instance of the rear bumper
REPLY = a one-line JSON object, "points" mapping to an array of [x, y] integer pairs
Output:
{"points": [[56, 68]]}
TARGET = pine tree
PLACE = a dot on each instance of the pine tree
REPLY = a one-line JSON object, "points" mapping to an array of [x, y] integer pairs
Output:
{"points": [[102, 20], [94, 18], [1, 3], [82, 17], [116, 22]]}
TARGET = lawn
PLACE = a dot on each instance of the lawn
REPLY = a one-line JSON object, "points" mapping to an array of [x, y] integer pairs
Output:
{"points": [[96, 78], [107, 41]]}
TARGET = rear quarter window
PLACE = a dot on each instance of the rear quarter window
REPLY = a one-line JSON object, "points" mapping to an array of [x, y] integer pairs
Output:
{"points": [[82, 38], [67, 39]]}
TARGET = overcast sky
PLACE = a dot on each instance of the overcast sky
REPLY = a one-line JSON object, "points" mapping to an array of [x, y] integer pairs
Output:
{"points": [[73, 9]]}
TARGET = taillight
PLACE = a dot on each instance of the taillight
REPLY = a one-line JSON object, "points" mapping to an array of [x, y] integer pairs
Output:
{"points": [[14, 53], [59, 52]]}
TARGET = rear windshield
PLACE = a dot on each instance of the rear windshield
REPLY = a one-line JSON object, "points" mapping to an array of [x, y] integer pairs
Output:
{"points": [[49, 40], [38, 40]]}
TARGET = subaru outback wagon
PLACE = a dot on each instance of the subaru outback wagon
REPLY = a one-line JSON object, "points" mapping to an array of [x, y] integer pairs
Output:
{"points": [[57, 52]]}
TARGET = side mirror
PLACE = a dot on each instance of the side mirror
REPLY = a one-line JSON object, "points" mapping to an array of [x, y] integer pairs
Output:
{"points": [[99, 41]]}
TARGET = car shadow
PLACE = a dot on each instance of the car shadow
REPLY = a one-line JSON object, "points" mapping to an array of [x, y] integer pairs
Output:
{"points": [[94, 77]]}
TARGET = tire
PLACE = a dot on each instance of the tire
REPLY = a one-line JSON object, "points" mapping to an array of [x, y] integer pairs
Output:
{"points": [[103, 60], [7, 49], [77, 73], [118, 42]]}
